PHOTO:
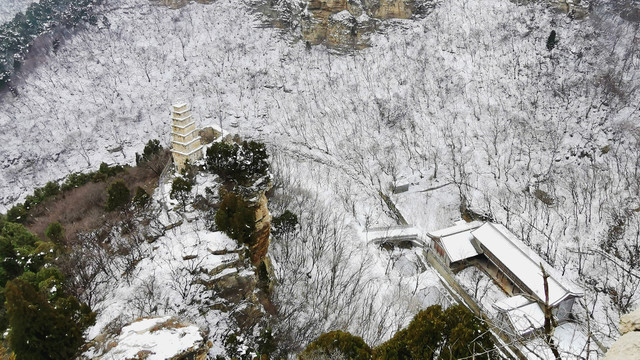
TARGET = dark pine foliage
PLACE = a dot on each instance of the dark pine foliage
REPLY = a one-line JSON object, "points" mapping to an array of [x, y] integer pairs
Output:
{"points": [[285, 223], [44, 322], [435, 334], [117, 195], [151, 149], [55, 232], [551, 40], [236, 218], [40, 329], [141, 198], [181, 190], [241, 164], [352, 347]]}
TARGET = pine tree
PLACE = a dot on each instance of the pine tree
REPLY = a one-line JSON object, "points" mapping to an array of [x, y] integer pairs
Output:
{"points": [[9, 266], [451, 334], [55, 232], [141, 198], [151, 149], [17, 214], [117, 195], [340, 342], [236, 218], [551, 40], [241, 164], [40, 331], [181, 190]]}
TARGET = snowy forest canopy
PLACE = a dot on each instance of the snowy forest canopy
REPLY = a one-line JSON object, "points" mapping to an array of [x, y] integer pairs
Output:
{"points": [[543, 139]]}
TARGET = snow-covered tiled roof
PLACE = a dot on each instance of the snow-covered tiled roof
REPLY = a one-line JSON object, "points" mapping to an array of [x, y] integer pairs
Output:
{"points": [[460, 226], [525, 315], [459, 246], [180, 103], [199, 148], [522, 262], [512, 302]]}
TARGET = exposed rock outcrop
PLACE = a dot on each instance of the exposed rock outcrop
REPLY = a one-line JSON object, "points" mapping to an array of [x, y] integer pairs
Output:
{"points": [[630, 322], [628, 345], [263, 229], [390, 9], [153, 338], [350, 22], [576, 9]]}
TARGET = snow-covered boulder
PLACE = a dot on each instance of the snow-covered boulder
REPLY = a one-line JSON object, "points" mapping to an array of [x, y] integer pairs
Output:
{"points": [[630, 322], [152, 338], [628, 345]]}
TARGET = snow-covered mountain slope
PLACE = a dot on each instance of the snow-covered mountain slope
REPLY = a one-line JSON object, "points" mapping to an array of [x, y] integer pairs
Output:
{"points": [[546, 142], [173, 269], [9, 8]]}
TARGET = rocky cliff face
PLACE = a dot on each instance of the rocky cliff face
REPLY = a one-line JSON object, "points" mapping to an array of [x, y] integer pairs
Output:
{"points": [[256, 198], [349, 22], [390, 9], [263, 229], [576, 9]]}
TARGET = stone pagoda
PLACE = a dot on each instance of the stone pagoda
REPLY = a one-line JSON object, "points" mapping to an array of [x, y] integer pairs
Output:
{"points": [[185, 138]]}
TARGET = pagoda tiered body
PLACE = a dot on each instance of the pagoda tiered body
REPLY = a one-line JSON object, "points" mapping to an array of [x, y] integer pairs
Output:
{"points": [[185, 138]]}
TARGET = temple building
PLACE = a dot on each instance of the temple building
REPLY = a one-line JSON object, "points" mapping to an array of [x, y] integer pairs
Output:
{"points": [[513, 266]]}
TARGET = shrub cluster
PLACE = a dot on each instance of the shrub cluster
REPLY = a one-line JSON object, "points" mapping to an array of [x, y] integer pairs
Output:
{"points": [[181, 189], [433, 333], [141, 198], [239, 347], [19, 212], [284, 224]]}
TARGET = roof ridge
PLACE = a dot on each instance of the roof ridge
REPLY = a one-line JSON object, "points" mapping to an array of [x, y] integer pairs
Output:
{"points": [[543, 262]]}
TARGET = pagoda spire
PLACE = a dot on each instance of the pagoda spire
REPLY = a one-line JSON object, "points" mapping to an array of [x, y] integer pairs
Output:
{"points": [[185, 137]]}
